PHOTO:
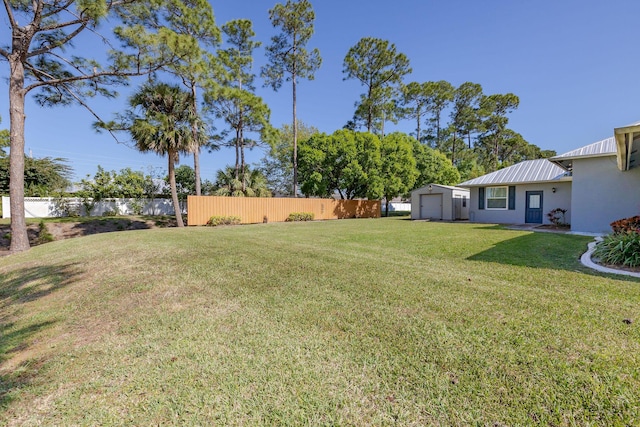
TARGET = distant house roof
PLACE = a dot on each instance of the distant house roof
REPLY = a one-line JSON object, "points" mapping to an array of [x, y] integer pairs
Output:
{"points": [[606, 147], [528, 171]]}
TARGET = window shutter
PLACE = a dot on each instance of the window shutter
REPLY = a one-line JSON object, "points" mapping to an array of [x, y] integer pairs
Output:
{"points": [[481, 198], [512, 197]]}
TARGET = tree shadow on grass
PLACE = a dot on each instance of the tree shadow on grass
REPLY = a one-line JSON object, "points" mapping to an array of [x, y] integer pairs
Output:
{"points": [[17, 288], [537, 250]]}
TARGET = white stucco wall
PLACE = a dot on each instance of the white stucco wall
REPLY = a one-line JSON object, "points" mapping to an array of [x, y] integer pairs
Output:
{"points": [[550, 200], [602, 194]]}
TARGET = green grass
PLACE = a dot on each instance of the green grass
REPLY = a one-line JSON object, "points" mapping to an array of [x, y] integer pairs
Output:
{"points": [[354, 322]]}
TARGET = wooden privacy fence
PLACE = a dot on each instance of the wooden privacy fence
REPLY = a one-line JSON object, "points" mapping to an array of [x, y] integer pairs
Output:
{"points": [[253, 210]]}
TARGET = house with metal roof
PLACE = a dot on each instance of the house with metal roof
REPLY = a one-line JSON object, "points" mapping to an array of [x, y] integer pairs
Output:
{"points": [[597, 184]]}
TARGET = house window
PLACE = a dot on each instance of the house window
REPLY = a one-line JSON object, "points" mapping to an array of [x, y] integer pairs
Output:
{"points": [[497, 197]]}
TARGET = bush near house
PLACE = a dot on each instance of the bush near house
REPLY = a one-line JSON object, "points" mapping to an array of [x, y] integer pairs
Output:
{"points": [[622, 247], [558, 217], [626, 225]]}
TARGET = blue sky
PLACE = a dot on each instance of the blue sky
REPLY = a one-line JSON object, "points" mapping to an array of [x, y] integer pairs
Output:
{"points": [[571, 63]]}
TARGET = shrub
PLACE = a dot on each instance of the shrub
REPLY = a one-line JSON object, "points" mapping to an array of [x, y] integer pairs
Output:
{"points": [[557, 217], [137, 206], [626, 225], [301, 216], [620, 249], [43, 234], [223, 220], [110, 212]]}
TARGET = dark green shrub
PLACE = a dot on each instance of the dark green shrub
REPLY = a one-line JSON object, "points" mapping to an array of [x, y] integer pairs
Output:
{"points": [[43, 234], [301, 216], [223, 220], [620, 249]]}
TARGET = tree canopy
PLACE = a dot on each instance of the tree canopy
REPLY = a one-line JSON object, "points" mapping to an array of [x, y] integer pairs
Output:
{"points": [[289, 58], [160, 121], [380, 69], [42, 59]]}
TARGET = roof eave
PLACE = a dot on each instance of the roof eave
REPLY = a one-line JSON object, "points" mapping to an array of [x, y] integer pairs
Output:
{"points": [[496, 184], [625, 137]]}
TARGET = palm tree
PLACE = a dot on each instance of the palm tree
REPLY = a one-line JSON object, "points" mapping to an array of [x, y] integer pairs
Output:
{"points": [[164, 126], [248, 184]]}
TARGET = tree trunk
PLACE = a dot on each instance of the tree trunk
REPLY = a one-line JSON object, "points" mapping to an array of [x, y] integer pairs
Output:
{"points": [[453, 149], [174, 191], [242, 163], [386, 207], [369, 111], [19, 236], [295, 137], [194, 131], [418, 128], [237, 153]]}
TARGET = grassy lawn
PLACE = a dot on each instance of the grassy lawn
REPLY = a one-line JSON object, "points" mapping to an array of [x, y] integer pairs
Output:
{"points": [[354, 322]]}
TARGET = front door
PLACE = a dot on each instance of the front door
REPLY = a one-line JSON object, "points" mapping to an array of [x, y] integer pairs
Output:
{"points": [[534, 207]]}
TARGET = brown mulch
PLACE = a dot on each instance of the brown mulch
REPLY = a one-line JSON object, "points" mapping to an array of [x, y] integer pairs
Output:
{"points": [[69, 230]]}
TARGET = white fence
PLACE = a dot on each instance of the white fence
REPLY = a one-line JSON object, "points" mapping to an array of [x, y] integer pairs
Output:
{"points": [[43, 207], [399, 206]]}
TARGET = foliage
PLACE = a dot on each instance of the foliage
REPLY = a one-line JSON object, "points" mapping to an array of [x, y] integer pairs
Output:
{"points": [[127, 183], [43, 177], [160, 120], [195, 33], [289, 58], [346, 162], [465, 117], [234, 99], [380, 68], [433, 167], [398, 169], [43, 59], [621, 248], [186, 183], [111, 212], [250, 183], [277, 164], [626, 225], [300, 216], [439, 94], [244, 112], [44, 236], [557, 217], [214, 221]]}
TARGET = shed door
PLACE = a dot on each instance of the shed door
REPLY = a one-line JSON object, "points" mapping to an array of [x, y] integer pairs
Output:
{"points": [[534, 207], [457, 208], [431, 206]]}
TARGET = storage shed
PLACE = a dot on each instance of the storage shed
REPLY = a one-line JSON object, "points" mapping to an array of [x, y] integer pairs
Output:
{"points": [[440, 202]]}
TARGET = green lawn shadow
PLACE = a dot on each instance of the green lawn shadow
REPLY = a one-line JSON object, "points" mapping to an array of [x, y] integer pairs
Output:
{"points": [[17, 288], [537, 250]]}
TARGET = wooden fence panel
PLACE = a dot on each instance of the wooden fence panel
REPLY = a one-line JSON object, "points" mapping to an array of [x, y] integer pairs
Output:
{"points": [[252, 210]]}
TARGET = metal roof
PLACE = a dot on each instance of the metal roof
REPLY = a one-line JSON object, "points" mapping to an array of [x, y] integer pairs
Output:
{"points": [[528, 171], [606, 147]]}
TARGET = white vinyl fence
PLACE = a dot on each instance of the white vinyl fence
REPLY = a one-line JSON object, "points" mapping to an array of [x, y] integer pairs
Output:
{"points": [[44, 207], [399, 206]]}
